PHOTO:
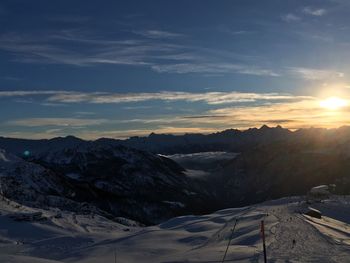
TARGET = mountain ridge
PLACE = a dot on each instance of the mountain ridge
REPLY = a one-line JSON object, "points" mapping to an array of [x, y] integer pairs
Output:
{"points": [[144, 185]]}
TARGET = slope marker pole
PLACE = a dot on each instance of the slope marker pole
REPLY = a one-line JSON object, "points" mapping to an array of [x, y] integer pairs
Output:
{"points": [[263, 238]]}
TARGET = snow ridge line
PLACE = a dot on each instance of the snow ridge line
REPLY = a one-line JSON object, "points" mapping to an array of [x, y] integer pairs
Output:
{"points": [[229, 241]]}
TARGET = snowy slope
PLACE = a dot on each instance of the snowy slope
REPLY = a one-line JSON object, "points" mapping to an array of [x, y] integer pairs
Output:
{"points": [[124, 181], [34, 185], [92, 239], [26, 181], [112, 181]]}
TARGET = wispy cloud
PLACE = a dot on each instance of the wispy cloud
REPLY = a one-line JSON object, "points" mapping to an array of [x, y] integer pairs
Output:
{"points": [[158, 34], [153, 48], [183, 68], [64, 122], [205, 116], [234, 32], [84, 113], [208, 97], [50, 104], [23, 93], [290, 17], [54, 48], [140, 107], [315, 74], [160, 56], [109, 97], [239, 32], [314, 11]]}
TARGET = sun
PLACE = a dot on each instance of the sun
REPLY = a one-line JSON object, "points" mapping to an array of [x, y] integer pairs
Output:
{"points": [[333, 103]]}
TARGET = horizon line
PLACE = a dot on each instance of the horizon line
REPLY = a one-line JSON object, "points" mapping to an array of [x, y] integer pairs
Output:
{"points": [[264, 126]]}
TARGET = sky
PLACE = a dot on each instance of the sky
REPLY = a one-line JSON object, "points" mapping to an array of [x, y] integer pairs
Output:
{"points": [[128, 68]]}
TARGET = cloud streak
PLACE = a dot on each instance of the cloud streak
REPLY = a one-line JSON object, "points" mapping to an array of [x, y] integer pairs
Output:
{"points": [[183, 68], [63, 122], [290, 18], [212, 98], [315, 74], [159, 56], [158, 34], [155, 49], [23, 93], [314, 11]]}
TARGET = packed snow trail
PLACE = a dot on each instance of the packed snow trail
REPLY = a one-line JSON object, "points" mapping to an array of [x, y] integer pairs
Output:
{"points": [[310, 244]]}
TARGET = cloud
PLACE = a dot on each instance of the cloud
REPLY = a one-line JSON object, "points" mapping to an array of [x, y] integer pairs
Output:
{"points": [[84, 113], [315, 74], [290, 17], [314, 11], [296, 114], [58, 48], [234, 32], [212, 98], [239, 32], [64, 122], [183, 68], [158, 34], [28, 101], [208, 97], [153, 49], [140, 107], [204, 116], [23, 93], [50, 104]]}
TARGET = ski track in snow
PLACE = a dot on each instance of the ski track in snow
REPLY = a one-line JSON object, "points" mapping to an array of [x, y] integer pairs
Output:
{"points": [[92, 239]]}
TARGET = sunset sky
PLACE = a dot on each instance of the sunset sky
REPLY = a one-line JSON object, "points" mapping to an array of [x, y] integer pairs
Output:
{"points": [[123, 68]]}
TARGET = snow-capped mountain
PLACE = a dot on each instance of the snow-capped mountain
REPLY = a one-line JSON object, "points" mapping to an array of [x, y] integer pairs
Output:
{"points": [[113, 180], [34, 185], [26, 181], [137, 184]]}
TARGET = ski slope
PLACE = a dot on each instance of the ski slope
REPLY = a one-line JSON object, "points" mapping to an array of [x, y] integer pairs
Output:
{"points": [[66, 237]]}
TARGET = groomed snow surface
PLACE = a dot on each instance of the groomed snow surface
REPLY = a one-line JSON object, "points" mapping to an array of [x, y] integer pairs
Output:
{"points": [[57, 236]]}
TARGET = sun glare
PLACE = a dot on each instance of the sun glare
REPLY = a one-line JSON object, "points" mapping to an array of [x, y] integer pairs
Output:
{"points": [[333, 103]]}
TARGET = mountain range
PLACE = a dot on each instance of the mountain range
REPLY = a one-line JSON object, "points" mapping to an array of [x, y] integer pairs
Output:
{"points": [[148, 179]]}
